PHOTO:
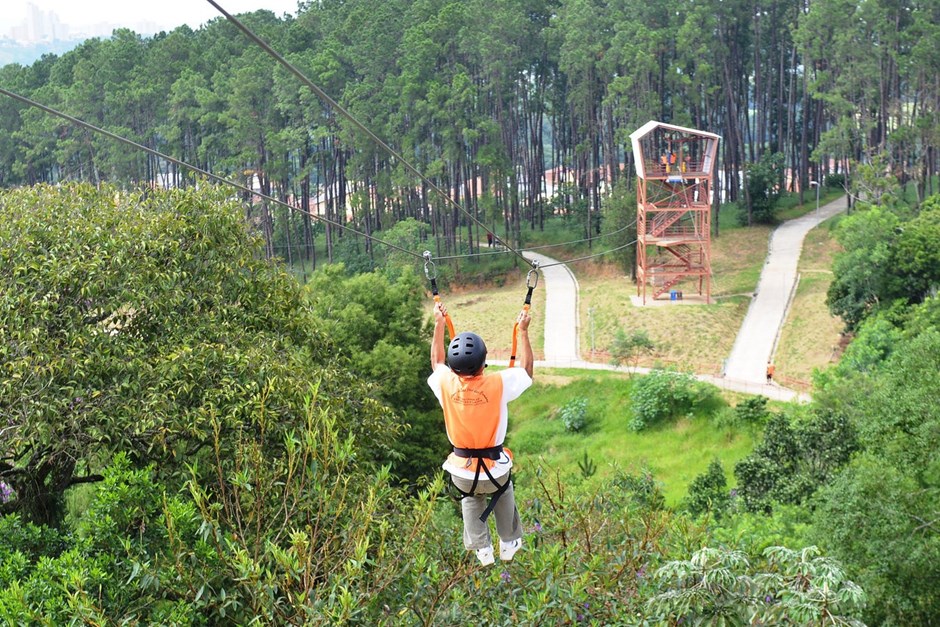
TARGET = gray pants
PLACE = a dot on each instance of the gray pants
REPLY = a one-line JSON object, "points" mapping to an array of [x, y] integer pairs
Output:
{"points": [[476, 533]]}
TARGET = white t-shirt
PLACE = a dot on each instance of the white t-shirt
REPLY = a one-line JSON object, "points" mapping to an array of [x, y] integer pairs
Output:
{"points": [[515, 382]]}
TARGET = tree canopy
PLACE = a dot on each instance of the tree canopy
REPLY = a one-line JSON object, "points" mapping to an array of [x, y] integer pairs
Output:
{"points": [[516, 108], [148, 324]]}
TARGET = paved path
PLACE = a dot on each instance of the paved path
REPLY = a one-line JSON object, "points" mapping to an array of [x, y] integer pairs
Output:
{"points": [[745, 370], [562, 328], [757, 338]]}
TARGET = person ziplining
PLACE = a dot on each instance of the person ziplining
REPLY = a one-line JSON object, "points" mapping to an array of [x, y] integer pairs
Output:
{"points": [[476, 416]]}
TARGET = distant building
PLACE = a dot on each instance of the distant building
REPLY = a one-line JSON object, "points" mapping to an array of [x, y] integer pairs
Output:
{"points": [[44, 27], [39, 26]]}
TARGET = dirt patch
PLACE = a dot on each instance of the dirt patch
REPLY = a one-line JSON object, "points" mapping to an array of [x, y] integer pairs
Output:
{"points": [[554, 380]]}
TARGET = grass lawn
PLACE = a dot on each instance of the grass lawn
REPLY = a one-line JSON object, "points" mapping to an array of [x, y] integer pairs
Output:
{"points": [[789, 209], [810, 337], [491, 313], [675, 453], [691, 337]]}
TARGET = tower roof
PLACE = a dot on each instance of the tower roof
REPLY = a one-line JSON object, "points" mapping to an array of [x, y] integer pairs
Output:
{"points": [[644, 145]]}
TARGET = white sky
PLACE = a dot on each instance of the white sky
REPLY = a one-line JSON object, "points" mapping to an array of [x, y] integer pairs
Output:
{"points": [[166, 14]]}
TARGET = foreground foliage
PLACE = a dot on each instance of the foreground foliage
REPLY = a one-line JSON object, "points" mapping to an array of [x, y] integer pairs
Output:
{"points": [[321, 545], [144, 324], [787, 587], [878, 515]]}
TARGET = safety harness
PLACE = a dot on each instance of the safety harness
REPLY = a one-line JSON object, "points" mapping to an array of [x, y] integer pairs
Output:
{"points": [[480, 454]]}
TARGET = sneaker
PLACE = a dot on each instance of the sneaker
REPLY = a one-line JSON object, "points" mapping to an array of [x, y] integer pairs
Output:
{"points": [[508, 549], [486, 555]]}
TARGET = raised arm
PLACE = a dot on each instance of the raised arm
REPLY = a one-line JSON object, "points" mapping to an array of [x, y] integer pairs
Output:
{"points": [[438, 351], [525, 359]]}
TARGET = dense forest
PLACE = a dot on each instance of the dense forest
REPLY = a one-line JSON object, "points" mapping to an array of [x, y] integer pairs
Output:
{"points": [[516, 107], [191, 436]]}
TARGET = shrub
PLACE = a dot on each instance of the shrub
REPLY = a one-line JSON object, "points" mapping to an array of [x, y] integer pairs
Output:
{"points": [[642, 489], [289, 534], [574, 414], [875, 518], [787, 525], [836, 181], [752, 411], [763, 183], [630, 346], [660, 395], [794, 459], [708, 492], [130, 321], [722, 587], [726, 418]]}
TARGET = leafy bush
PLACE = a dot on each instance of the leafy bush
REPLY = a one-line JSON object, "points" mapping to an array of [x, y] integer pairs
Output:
{"points": [[836, 181], [630, 346], [378, 326], [726, 419], [787, 525], [574, 414], [885, 259], [795, 459], [874, 518], [132, 322], [763, 182], [753, 410], [708, 492], [663, 394], [296, 533], [641, 489], [722, 587], [306, 539], [878, 515], [108, 567]]}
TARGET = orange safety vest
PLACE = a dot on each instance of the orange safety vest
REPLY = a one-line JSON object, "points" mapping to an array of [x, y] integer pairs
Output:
{"points": [[472, 416]]}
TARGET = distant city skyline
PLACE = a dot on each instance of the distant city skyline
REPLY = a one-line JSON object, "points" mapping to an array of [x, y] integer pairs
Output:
{"points": [[33, 21]]}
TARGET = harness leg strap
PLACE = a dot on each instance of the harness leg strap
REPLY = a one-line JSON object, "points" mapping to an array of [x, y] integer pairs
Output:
{"points": [[500, 489], [473, 488], [480, 454]]}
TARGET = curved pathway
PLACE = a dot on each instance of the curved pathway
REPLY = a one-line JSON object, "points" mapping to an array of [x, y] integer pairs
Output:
{"points": [[562, 328], [745, 369], [756, 340]]}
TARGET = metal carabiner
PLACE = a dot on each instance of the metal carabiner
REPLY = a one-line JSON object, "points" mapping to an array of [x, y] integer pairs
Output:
{"points": [[534, 272], [429, 266]]}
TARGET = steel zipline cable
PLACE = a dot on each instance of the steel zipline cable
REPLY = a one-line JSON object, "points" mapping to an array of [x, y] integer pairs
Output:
{"points": [[605, 252], [195, 169], [531, 248], [239, 186], [349, 116]]}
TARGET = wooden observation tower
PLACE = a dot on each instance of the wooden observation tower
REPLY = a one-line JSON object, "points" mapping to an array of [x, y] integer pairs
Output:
{"points": [[674, 168]]}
